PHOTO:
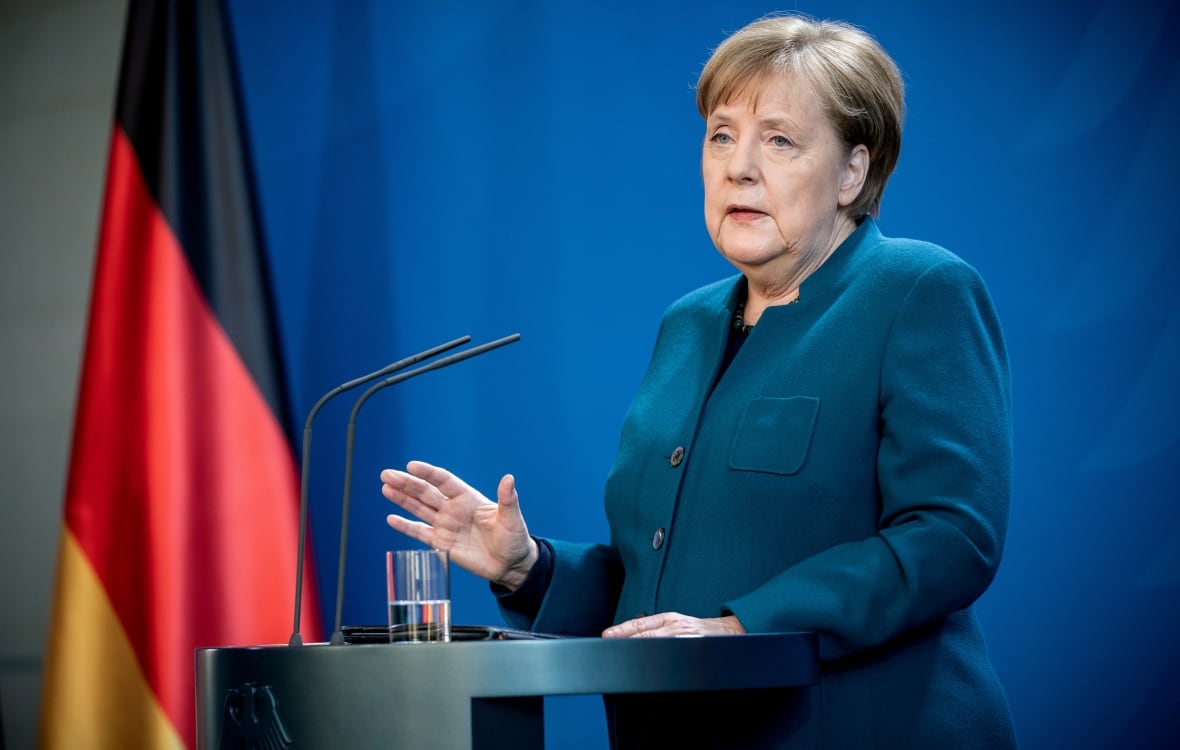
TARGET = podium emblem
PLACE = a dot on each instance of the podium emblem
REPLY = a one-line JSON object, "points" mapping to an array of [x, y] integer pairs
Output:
{"points": [[251, 719]]}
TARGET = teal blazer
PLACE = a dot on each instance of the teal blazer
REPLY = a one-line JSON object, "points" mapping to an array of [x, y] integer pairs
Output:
{"points": [[849, 474]]}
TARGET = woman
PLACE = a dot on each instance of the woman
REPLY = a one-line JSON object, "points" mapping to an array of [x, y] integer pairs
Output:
{"points": [[820, 443]]}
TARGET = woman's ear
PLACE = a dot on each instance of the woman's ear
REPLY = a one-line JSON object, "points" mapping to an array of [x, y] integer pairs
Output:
{"points": [[856, 169]]}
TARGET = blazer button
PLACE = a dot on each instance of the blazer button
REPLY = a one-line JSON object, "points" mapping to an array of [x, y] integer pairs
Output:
{"points": [[657, 540], [677, 457]]}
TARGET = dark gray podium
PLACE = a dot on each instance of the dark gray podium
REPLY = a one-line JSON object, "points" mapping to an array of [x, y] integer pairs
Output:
{"points": [[483, 695]]}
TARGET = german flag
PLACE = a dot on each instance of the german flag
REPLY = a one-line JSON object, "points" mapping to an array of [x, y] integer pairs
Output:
{"points": [[181, 510]]}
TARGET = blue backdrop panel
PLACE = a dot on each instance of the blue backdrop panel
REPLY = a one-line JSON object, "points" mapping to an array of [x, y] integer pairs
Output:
{"points": [[434, 169]]}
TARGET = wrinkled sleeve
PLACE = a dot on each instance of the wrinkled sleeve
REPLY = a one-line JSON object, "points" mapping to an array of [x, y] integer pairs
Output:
{"points": [[521, 606], [581, 595], [944, 466]]}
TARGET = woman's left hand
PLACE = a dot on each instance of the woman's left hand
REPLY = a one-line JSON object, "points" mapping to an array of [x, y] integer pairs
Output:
{"points": [[674, 624]]}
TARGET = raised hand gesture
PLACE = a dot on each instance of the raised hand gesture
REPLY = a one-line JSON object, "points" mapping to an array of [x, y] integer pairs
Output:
{"points": [[490, 539]]}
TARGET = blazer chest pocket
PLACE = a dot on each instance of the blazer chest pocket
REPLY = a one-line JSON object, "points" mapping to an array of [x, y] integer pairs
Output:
{"points": [[774, 435]]}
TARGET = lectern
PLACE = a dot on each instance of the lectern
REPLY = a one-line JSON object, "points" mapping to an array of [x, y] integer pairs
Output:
{"points": [[482, 695]]}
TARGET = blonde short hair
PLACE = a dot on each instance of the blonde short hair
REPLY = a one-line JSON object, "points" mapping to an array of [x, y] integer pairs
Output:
{"points": [[858, 84]]}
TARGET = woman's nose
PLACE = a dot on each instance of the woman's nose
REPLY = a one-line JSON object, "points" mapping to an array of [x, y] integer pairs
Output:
{"points": [[743, 163]]}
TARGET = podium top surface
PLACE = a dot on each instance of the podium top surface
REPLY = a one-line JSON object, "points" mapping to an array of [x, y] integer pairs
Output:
{"points": [[566, 666]]}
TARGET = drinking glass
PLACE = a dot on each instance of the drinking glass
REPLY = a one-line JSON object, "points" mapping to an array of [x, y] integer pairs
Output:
{"points": [[419, 587]]}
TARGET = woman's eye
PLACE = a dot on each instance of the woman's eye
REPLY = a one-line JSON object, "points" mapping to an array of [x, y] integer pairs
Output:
{"points": [[723, 139], [780, 141]]}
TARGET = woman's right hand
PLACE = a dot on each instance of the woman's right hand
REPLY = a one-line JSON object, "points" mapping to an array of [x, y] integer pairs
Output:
{"points": [[489, 539]]}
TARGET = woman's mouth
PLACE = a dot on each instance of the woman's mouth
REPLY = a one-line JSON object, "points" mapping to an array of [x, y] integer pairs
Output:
{"points": [[743, 213]]}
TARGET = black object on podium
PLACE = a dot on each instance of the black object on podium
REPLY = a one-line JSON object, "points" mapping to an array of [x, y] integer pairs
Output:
{"points": [[483, 695]]}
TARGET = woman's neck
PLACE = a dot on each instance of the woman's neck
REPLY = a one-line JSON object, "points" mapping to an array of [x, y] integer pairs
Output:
{"points": [[770, 286]]}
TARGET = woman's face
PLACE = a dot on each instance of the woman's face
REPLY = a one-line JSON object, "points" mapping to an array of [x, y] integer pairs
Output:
{"points": [[776, 178]]}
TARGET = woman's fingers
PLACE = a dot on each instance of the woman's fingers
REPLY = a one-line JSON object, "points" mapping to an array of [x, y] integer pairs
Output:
{"points": [[446, 483], [402, 485], [674, 625], [409, 503], [414, 529], [506, 494]]}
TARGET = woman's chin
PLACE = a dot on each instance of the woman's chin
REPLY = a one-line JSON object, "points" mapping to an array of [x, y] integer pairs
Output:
{"points": [[745, 256]]}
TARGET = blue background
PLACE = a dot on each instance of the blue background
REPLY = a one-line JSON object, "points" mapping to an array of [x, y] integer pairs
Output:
{"points": [[438, 168]]}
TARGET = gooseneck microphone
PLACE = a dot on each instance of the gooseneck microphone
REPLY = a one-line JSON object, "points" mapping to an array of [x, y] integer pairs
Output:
{"points": [[401, 364], [475, 351]]}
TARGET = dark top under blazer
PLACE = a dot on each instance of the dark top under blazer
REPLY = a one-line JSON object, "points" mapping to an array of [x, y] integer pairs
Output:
{"points": [[849, 474]]}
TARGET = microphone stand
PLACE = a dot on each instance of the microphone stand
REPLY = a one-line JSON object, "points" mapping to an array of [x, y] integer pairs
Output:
{"points": [[296, 637]]}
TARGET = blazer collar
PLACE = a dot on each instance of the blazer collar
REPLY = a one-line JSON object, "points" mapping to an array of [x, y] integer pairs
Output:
{"points": [[829, 279]]}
